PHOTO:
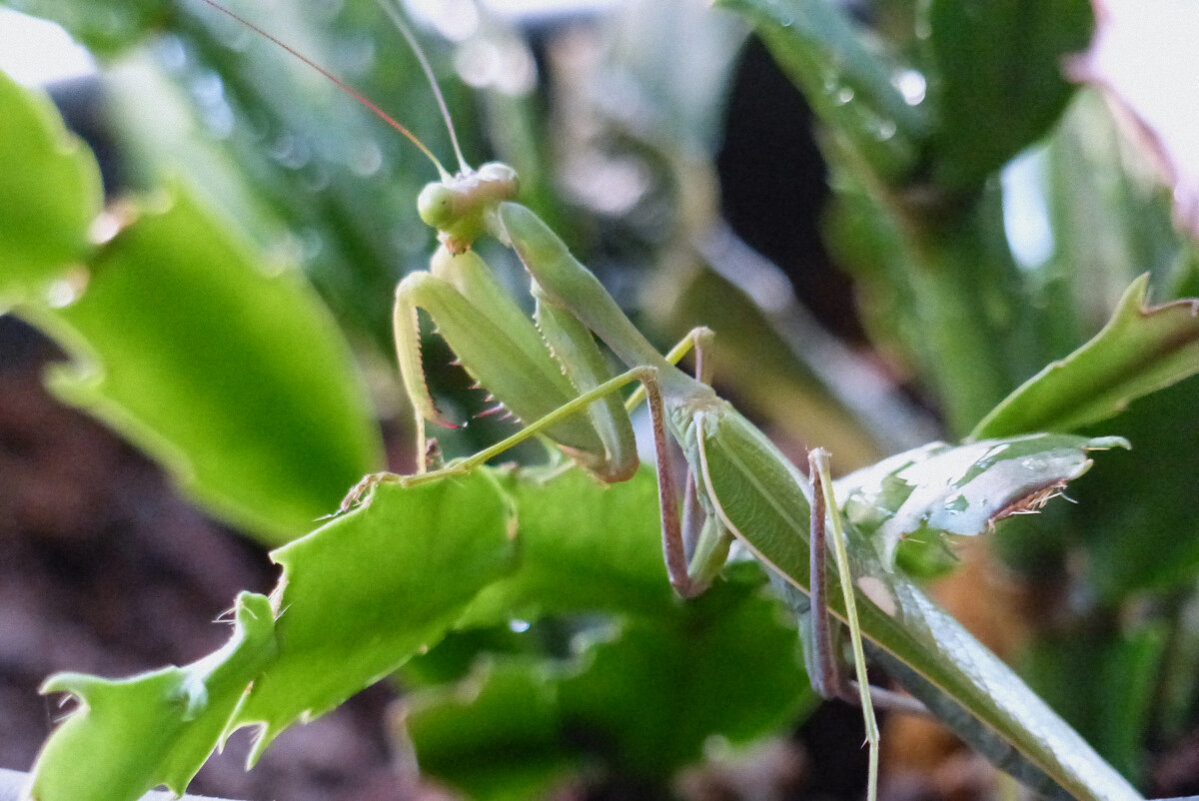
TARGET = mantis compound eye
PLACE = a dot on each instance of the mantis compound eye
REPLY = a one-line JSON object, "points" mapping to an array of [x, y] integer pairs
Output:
{"points": [[436, 205], [501, 178]]}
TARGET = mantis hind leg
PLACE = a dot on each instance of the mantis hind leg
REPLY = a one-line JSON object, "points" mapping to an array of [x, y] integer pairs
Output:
{"points": [[825, 667], [823, 501]]}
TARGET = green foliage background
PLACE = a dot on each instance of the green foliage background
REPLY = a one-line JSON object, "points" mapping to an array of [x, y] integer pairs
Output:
{"points": [[242, 373]]}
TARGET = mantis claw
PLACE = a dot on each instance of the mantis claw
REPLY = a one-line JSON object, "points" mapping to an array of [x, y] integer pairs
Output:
{"points": [[355, 497]]}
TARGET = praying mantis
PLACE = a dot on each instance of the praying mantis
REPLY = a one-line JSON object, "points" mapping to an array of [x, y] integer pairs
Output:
{"points": [[551, 374]]}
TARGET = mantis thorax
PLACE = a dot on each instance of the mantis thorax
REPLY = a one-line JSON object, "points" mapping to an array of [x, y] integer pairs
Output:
{"points": [[458, 207]]}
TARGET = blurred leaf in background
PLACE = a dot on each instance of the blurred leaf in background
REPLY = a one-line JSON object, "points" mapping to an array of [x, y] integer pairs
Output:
{"points": [[989, 212], [237, 381]]}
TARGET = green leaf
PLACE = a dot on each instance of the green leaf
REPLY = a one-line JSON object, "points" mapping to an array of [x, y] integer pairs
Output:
{"points": [[49, 195], [357, 598], [649, 700], [128, 736], [583, 547], [498, 733], [1136, 516], [1141, 349], [999, 82], [238, 382], [640, 699], [846, 78], [940, 489], [364, 593]]}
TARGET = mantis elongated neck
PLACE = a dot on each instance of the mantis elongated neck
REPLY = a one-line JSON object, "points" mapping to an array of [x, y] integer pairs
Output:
{"points": [[564, 282]]}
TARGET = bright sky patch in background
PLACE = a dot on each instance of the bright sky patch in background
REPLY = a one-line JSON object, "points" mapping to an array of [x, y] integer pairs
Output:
{"points": [[34, 51]]}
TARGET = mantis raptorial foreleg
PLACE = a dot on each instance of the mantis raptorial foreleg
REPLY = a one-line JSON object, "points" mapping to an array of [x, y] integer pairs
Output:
{"points": [[530, 370]]}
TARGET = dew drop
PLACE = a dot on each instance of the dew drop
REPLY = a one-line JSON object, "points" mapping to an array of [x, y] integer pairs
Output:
{"points": [[911, 85], [67, 289], [170, 53], [104, 227], [1034, 464], [717, 747], [367, 159]]}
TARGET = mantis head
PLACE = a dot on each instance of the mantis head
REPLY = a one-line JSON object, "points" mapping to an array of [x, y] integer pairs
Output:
{"points": [[459, 207]]}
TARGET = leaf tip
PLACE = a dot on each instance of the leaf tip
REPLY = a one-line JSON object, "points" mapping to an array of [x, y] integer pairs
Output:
{"points": [[77, 684], [1107, 444]]}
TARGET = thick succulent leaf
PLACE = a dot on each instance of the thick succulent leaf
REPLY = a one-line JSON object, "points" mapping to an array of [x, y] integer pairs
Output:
{"points": [[1141, 349], [48, 198], [642, 699], [999, 82], [357, 598], [584, 547], [130, 735], [237, 381], [844, 76], [942, 489], [364, 593]]}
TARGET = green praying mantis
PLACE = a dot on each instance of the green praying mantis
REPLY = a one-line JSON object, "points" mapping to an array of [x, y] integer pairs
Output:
{"points": [[551, 373]]}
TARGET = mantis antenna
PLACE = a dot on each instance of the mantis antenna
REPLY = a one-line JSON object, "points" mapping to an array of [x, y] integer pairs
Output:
{"points": [[354, 93], [392, 10]]}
